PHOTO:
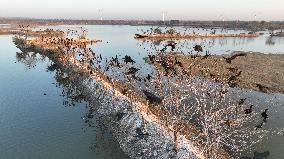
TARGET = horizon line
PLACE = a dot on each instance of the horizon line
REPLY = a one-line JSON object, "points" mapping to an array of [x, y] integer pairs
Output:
{"points": [[88, 19]]}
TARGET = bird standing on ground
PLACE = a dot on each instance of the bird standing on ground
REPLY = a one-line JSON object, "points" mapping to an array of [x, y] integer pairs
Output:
{"points": [[242, 101], [172, 45], [249, 110], [259, 126], [264, 115], [152, 98], [198, 48], [229, 59]]}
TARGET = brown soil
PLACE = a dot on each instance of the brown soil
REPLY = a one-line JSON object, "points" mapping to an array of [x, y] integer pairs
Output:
{"points": [[257, 71]]}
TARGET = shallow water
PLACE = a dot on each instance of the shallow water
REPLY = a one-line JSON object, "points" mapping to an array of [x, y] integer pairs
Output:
{"points": [[34, 125], [121, 39], [43, 110]]}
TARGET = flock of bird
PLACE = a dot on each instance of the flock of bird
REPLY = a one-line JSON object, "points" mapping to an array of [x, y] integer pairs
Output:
{"points": [[168, 64], [128, 68]]}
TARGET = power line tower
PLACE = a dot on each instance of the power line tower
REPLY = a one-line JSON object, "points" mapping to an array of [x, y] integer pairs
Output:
{"points": [[100, 14], [164, 13]]}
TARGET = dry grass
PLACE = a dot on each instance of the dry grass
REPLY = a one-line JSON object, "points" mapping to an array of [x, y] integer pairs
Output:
{"points": [[75, 42]]}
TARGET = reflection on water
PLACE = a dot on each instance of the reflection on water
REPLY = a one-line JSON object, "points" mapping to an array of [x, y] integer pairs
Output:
{"points": [[121, 39], [273, 40], [29, 59], [70, 93], [258, 155], [46, 117]]}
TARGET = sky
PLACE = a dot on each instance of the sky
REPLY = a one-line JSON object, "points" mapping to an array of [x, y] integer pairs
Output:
{"points": [[145, 9]]}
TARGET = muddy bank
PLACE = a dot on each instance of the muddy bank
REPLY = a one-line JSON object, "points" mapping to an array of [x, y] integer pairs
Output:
{"points": [[126, 115], [190, 36], [250, 70], [64, 42], [18, 31], [8, 31]]}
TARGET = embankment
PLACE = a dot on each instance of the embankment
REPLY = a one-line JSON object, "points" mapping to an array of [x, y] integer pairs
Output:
{"points": [[107, 98]]}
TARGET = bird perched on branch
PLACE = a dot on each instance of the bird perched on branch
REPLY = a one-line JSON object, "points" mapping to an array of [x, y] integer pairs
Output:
{"points": [[128, 59], [152, 58], [132, 71], [148, 78]]}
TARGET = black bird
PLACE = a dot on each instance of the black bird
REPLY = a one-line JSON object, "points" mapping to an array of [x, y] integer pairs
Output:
{"points": [[128, 59], [259, 126], [115, 59], [262, 88], [140, 133], [206, 55], [164, 49], [149, 77], [172, 45], [198, 48], [138, 36], [120, 115], [229, 59], [118, 64], [132, 71], [242, 101], [165, 65], [152, 98], [249, 111], [91, 63], [264, 115], [178, 63], [234, 77], [152, 58], [124, 91], [44, 94]]}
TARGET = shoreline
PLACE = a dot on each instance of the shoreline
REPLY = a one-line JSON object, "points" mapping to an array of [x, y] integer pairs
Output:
{"points": [[190, 36], [141, 110], [181, 148]]}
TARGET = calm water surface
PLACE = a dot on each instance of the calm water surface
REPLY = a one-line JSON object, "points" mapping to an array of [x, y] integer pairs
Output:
{"points": [[34, 125], [38, 126]]}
